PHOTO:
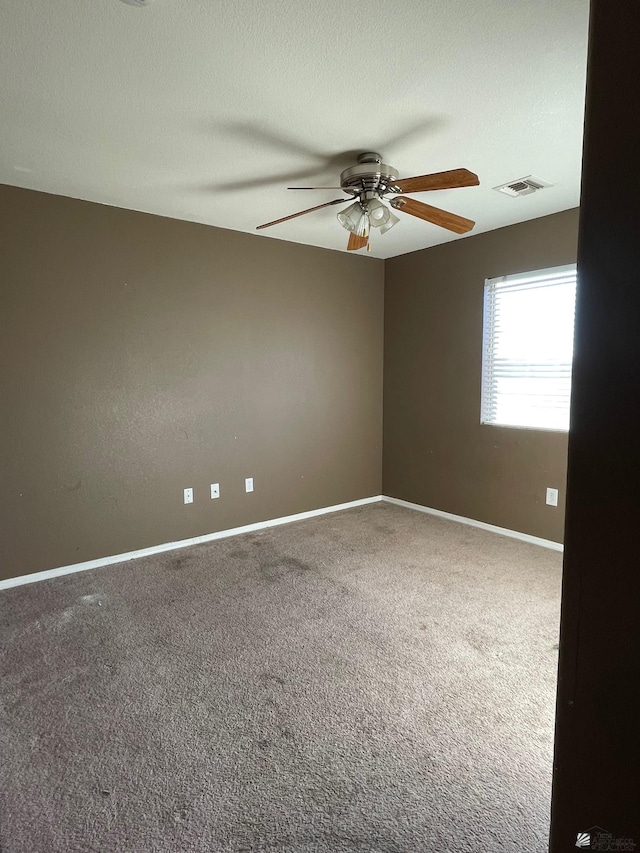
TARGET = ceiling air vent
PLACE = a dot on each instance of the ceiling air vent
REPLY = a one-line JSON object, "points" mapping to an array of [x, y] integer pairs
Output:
{"points": [[523, 186]]}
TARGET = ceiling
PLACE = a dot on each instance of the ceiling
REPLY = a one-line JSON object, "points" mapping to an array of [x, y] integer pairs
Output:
{"points": [[206, 110]]}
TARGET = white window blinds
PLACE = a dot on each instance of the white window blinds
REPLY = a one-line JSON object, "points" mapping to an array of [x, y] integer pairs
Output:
{"points": [[528, 349]]}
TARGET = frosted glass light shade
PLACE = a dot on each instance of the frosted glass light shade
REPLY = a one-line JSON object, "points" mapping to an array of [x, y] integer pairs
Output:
{"points": [[390, 222], [379, 214], [353, 218]]}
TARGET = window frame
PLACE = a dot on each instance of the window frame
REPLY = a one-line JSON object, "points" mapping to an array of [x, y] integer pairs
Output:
{"points": [[544, 272]]}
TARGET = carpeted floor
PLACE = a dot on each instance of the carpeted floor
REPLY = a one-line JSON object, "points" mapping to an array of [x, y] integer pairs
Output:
{"points": [[371, 680]]}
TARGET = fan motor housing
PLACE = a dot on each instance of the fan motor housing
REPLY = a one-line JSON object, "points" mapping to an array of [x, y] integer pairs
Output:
{"points": [[370, 174]]}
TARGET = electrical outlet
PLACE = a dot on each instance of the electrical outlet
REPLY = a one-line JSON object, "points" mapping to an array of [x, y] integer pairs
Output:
{"points": [[248, 484], [188, 496], [215, 490], [552, 497]]}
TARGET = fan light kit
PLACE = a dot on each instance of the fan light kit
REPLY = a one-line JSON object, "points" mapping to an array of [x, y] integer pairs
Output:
{"points": [[371, 183]]}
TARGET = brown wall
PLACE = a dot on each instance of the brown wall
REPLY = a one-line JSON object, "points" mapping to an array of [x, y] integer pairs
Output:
{"points": [[436, 452], [141, 355]]}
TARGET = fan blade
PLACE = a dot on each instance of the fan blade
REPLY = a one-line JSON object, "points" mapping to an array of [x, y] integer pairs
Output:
{"points": [[302, 212], [316, 188], [356, 242], [437, 181], [433, 214], [257, 183]]}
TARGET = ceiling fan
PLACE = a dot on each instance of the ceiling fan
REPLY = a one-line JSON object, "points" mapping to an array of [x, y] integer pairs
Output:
{"points": [[371, 182]]}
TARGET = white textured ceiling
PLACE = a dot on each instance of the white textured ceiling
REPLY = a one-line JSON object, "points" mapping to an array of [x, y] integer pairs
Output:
{"points": [[207, 109]]}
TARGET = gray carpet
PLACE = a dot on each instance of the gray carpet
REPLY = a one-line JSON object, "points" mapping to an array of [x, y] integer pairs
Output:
{"points": [[372, 680]]}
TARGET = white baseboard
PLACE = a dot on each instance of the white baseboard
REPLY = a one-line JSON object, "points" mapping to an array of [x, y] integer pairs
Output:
{"points": [[183, 543], [503, 531], [261, 525]]}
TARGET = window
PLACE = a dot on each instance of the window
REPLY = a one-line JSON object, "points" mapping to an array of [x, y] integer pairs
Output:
{"points": [[528, 349]]}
